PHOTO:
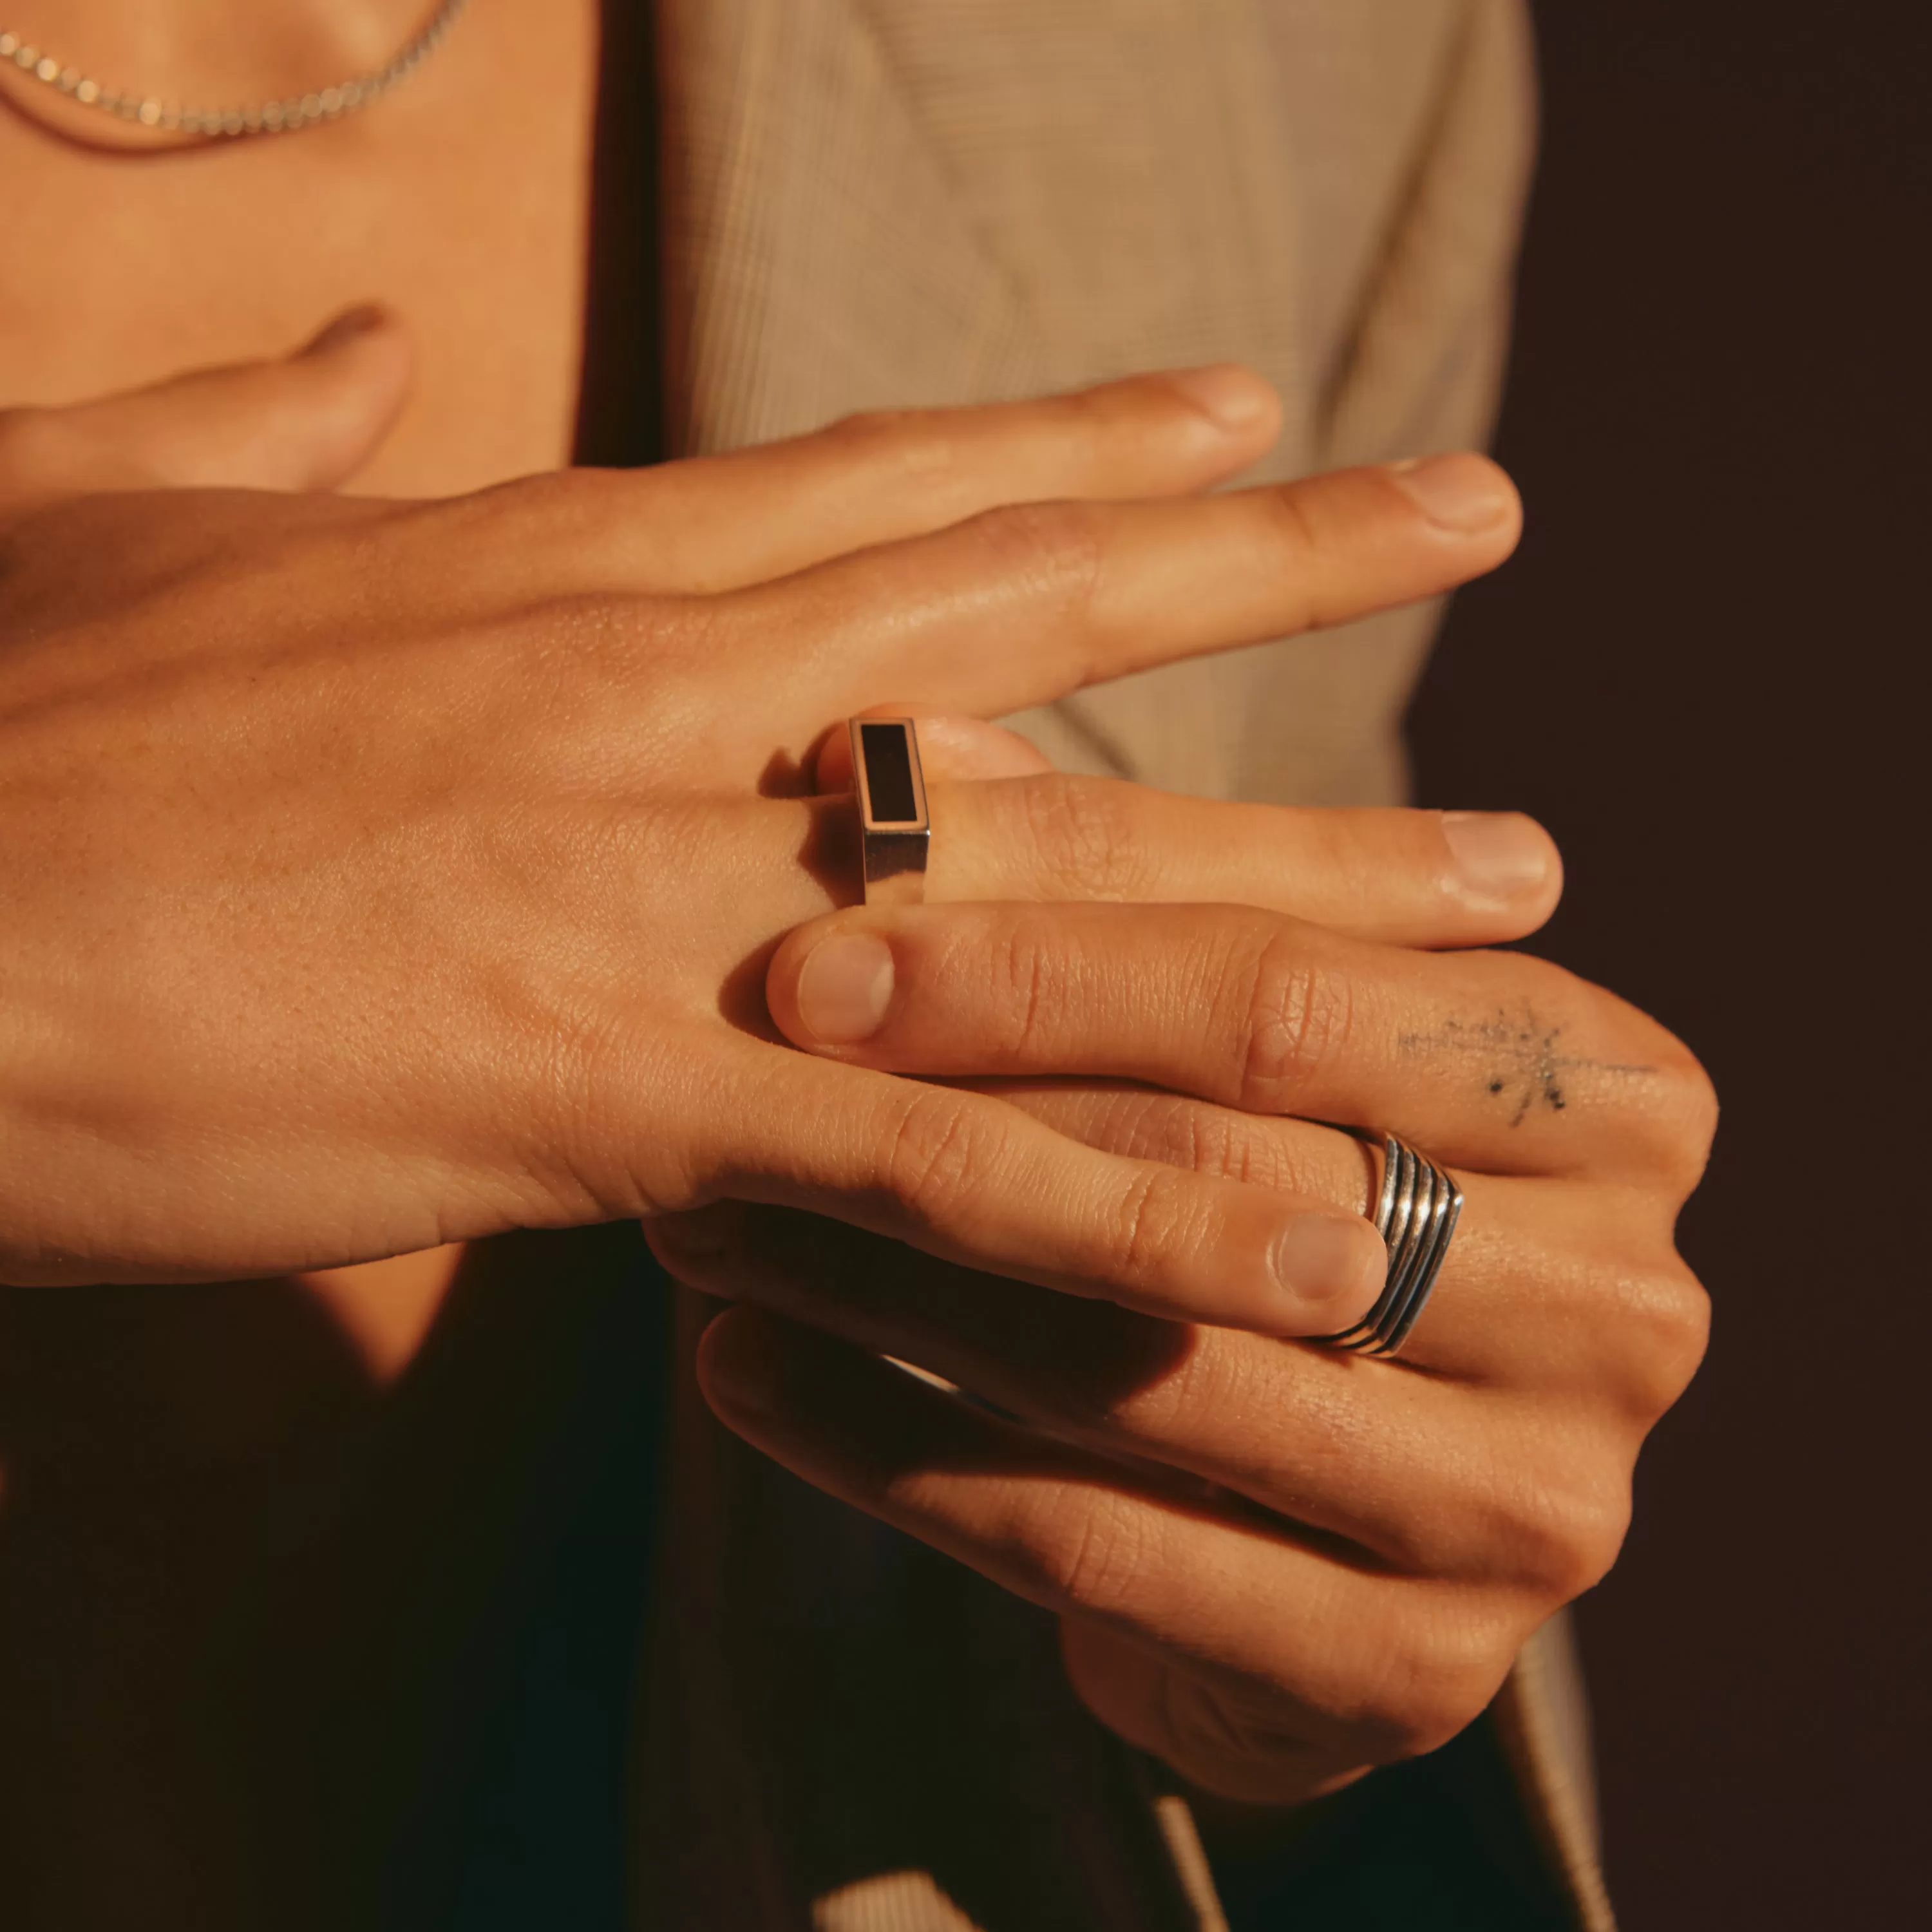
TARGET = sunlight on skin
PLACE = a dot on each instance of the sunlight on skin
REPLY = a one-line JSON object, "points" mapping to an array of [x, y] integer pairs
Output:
{"points": [[385, 1307]]}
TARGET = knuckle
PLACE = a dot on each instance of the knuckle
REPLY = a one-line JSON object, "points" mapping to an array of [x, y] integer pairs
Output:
{"points": [[1245, 1734], [924, 455], [1216, 1141], [1564, 1539], [915, 443], [1095, 1551], [1092, 414], [1291, 528], [1296, 1022], [1659, 1101], [685, 634], [1154, 1223], [578, 647], [1227, 1145], [1687, 1120], [521, 509], [863, 431], [570, 505], [1289, 511], [931, 1155], [1085, 835], [566, 514], [1436, 1682], [1054, 552], [1023, 971], [1671, 1114], [550, 491], [1665, 1319], [1196, 1137]]}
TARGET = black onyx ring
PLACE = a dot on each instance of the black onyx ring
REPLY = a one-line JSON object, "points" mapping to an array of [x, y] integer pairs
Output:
{"points": [[894, 830], [1415, 1216]]}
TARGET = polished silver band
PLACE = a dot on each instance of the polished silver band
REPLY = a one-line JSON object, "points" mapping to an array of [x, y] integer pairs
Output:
{"points": [[894, 828], [1416, 1217]]}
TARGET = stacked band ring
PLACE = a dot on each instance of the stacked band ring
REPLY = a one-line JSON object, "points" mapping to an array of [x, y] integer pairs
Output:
{"points": [[1415, 1217]]}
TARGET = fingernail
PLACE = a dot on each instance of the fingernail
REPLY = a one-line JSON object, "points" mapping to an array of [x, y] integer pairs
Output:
{"points": [[363, 319], [686, 1237], [748, 1368], [1330, 1258], [1236, 397], [1460, 492], [845, 987], [1500, 853]]}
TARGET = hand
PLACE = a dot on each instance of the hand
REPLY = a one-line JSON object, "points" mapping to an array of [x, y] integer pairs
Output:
{"points": [[1275, 1565], [380, 875]]}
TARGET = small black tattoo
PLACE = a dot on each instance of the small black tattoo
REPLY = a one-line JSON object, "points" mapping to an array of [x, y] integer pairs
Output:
{"points": [[1518, 1054]]}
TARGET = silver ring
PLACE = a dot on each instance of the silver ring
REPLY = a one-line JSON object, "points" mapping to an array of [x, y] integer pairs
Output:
{"points": [[1416, 1217], [895, 832]]}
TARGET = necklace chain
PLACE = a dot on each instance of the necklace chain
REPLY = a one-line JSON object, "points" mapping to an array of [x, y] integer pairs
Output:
{"points": [[267, 117]]}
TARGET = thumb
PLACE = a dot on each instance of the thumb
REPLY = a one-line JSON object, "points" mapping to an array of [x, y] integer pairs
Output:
{"points": [[307, 421]]}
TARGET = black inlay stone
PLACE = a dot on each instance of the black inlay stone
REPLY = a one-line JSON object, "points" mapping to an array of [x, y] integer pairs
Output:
{"points": [[888, 774]]}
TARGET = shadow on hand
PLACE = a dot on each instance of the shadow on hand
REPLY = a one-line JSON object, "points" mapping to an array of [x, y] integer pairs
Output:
{"points": [[1060, 1364]]}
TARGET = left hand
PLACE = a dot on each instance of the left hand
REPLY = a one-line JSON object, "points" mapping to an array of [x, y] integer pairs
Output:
{"points": [[1276, 1565]]}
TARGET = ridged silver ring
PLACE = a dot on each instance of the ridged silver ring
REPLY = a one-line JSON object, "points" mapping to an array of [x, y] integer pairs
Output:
{"points": [[1416, 1217]]}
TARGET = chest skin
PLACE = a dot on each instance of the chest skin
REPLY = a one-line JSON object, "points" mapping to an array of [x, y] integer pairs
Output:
{"points": [[462, 200]]}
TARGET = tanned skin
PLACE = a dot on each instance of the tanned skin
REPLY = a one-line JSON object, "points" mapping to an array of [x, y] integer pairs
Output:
{"points": [[390, 865]]}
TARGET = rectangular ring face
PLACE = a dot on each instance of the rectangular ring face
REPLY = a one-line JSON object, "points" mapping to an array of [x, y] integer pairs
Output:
{"points": [[893, 819], [892, 788]]}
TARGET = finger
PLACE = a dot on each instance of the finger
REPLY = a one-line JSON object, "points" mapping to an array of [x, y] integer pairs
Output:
{"points": [[1394, 876], [1427, 1478], [1025, 604], [1556, 1290], [1511, 1309], [716, 523], [1173, 1715], [1569, 1289], [950, 747], [306, 422], [1350, 1658], [1488, 1060], [963, 1176], [1405, 878]]}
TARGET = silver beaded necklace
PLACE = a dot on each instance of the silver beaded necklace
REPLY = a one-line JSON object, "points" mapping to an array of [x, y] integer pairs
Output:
{"points": [[267, 117]]}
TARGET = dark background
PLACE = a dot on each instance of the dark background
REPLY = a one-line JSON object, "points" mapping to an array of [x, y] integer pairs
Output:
{"points": [[1703, 673]]}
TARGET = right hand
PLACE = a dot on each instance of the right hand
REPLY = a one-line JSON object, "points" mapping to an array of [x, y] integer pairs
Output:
{"points": [[380, 874]]}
